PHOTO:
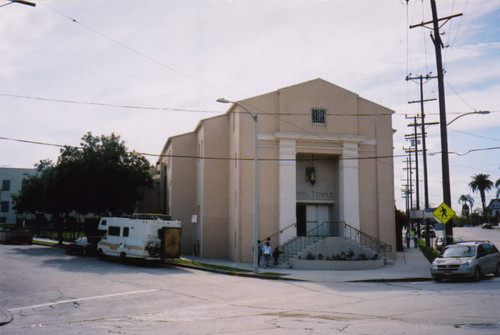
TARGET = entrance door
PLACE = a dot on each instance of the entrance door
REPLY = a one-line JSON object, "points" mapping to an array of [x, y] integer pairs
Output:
{"points": [[300, 214], [316, 215]]}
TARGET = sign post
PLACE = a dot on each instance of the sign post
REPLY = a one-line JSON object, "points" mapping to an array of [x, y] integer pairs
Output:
{"points": [[194, 220]]}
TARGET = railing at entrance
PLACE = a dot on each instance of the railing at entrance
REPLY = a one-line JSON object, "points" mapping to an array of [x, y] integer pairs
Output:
{"points": [[332, 229], [293, 225]]}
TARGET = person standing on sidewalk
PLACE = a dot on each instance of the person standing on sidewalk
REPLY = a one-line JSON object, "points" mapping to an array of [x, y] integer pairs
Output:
{"points": [[266, 252], [259, 253], [408, 238]]}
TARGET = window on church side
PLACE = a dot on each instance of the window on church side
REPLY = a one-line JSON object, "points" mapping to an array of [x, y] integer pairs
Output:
{"points": [[318, 116]]}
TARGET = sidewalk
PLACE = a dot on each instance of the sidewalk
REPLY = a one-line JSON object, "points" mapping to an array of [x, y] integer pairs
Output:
{"points": [[409, 265]]}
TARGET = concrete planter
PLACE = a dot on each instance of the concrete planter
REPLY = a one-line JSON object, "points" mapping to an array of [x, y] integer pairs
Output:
{"points": [[302, 264]]}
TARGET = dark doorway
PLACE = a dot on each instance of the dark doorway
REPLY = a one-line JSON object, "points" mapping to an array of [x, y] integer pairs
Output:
{"points": [[301, 220]]}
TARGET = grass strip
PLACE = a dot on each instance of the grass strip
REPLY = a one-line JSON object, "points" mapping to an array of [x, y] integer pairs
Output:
{"points": [[217, 267], [429, 252]]}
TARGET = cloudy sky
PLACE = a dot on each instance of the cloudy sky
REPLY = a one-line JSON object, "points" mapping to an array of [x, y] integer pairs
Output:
{"points": [[151, 69]]}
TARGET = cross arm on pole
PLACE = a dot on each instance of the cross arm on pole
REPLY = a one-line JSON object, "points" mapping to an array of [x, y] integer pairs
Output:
{"points": [[446, 18]]}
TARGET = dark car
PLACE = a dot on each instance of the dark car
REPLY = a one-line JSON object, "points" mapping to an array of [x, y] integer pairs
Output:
{"points": [[432, 233], [85, 246], [487, 226]]}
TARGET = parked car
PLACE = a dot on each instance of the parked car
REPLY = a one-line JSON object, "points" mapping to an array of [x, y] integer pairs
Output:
{"points": [[487, 225], [85, 246], [16, 236], [466, 259], [438, 245], [432, 233]]}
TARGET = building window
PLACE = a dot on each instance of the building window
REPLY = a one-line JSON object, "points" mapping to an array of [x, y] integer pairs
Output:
{"points": [[4, 206], [5, 185], [125, 231], [318, 116]]}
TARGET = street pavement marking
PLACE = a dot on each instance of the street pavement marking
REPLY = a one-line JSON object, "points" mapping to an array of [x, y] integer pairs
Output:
{"points": [[81, 299]]}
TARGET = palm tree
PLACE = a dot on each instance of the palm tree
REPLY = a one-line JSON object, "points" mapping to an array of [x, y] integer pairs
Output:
{"points": [[497, 185], [467, 202], [481, 183]]}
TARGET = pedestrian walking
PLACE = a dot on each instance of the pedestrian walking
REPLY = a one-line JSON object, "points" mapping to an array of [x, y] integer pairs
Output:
{"points": [[266, 252], [259, 253], [408, 238], [276, 255]]}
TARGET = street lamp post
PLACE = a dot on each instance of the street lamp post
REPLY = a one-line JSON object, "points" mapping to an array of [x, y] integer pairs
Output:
{"points": [[469, 113], [255, 185], [22, 2]]}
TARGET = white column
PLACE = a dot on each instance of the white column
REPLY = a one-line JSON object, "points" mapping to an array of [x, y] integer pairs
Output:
{"points": [[349, 185], [287, 190]]}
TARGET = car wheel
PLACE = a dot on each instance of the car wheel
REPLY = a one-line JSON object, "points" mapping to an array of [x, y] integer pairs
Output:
{"points": [[438, 279], [123, 258], [100, 255], [477, 274], [497, 271], [68, 250]]}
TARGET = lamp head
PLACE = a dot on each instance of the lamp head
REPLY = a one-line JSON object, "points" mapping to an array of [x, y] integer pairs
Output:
{"points": [[223, 101]]}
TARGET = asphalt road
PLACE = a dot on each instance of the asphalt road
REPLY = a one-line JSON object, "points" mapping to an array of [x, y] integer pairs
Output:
{"points": [[477, 233], [49, 292]]}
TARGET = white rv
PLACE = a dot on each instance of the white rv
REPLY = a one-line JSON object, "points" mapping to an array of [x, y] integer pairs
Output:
{"points": [[144, 236]]}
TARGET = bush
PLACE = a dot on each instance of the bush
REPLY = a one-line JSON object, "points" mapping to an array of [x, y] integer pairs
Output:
{"points": [[310, 256]]}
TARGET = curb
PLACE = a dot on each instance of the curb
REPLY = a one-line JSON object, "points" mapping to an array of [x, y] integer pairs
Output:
{"points": [[233, 273], [5, 317], [47, 243], [391, 280]]}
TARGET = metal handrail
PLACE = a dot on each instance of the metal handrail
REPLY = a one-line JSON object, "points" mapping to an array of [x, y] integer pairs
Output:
{"points": [[333, 229], [282, 230]]}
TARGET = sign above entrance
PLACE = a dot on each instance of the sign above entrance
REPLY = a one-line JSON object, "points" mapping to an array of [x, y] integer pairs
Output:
{"points": [[315, 196]]}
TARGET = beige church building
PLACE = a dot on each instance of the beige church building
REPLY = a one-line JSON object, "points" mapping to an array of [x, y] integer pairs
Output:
{"points": [[324, 157]]}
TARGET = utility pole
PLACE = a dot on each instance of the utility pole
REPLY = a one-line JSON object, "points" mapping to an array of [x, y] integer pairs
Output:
{"points": [[414, 149], [445, 165], [424, 146], [409, 179]]}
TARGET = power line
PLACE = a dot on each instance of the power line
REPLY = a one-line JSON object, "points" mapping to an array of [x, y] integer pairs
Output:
{"points": [[103, 104], [137, 52], [474, 135], [458, 95], [247, 159]]}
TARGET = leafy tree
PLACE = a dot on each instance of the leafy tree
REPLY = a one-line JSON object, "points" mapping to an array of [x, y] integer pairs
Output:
{"points": [[100, 177], [481, 183]]}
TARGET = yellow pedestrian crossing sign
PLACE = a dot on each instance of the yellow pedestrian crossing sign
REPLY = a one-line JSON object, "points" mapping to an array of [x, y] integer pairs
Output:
{"points": [[444, 213]]}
